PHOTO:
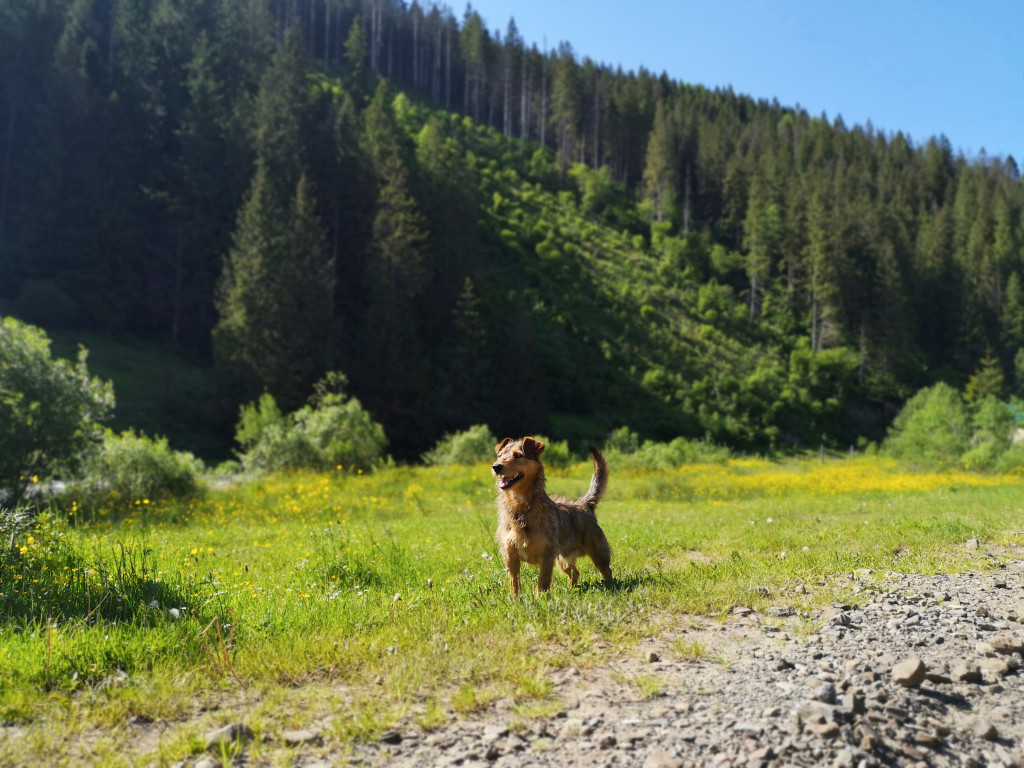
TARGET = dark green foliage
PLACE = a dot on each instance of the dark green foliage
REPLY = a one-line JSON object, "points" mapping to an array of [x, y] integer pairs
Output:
{"points": [[581, 247]]}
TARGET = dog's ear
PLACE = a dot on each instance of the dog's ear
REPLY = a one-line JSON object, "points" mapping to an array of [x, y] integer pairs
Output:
{"points": [[532, 448], [500, 446]]}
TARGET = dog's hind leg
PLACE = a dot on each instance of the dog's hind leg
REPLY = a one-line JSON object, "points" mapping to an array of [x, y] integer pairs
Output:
{"points": [[601, 553], [569, 569]]}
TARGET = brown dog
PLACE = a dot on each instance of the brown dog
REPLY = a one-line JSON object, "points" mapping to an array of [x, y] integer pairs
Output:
{"points": [[535, 528]]}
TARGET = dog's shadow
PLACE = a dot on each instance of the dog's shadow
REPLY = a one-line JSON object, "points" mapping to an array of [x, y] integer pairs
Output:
{"points": [[629, 583]]}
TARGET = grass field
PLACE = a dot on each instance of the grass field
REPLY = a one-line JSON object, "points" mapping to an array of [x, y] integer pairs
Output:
{"points": [[367, 599]]}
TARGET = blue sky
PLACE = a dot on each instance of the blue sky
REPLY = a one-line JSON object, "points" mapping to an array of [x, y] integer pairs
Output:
{"points": [[926, 68]]}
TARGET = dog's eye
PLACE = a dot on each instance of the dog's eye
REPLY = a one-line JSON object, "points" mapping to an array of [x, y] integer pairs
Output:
{"points": [[517, 455]]}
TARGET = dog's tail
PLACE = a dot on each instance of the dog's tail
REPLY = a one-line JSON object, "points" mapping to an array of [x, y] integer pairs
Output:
{"points": [[599, 481]]}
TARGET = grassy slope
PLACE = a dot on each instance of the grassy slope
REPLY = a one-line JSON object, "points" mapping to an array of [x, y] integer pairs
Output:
{"points": [[156, 391], [365, 599]]}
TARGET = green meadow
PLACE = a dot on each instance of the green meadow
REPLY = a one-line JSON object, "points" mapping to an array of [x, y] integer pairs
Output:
{"points": [[366, 600]]}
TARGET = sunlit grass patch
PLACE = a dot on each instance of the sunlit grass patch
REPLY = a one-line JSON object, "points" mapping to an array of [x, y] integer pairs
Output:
{"points": [[385, 593]]}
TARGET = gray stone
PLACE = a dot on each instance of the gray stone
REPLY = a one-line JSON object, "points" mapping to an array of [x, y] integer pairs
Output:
{"points": [[659, 758], [234, 734], [909, 673], [984, 729], [1006, 645], [302, 736], [965, 672], [826, 692]]}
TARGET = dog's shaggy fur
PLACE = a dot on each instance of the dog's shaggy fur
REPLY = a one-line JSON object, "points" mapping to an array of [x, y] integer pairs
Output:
{"points": [[537, 529]]}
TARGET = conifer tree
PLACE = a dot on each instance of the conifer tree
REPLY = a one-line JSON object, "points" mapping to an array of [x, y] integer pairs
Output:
{"points": [[661, 168]]}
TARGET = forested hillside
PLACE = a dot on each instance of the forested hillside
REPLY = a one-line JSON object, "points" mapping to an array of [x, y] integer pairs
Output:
{"points": [[473, 230]]}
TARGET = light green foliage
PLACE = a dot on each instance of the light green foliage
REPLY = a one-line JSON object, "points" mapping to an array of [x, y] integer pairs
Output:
{"points": [[623, 441], [937, 429], [933, 428], [623, 449], [987, 381], [470, 446], [50, 410], [556, 453], [132, 470], [992, 425], [331, 433]]}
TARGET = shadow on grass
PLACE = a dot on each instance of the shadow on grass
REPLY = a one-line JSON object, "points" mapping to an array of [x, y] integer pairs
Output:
{"points": [[46, 579], [629, 583]]}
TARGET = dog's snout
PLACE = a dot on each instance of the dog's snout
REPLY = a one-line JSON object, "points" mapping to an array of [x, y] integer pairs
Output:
{"points": [[496, 469]]}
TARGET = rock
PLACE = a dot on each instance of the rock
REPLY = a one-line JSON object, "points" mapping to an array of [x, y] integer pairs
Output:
{"points": [[299, 737], [994, 669], [390, 737], [653, 657], [973, 544], [234, 734], [984, 729], [826, 692], [909, 673], [659, 758], [815, 712], [607, 741], [823, 730], [965, 672], [1006, 645]]}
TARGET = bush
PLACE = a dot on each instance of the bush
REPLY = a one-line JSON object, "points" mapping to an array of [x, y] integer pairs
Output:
{"points": [[655, 456], [622, 441], [932, 430], [471, 446], [50, 410], [130, 469], [330, 433], [556, 453], [993, 426]]}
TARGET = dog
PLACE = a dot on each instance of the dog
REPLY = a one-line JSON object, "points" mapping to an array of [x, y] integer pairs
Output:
{"points": [[537, 529]]}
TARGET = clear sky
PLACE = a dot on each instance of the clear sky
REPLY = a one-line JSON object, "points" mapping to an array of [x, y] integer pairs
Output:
{"points": [[924, 67]]}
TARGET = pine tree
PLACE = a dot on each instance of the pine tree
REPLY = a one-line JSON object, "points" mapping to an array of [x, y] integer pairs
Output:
{"points": [[661, 168], [396, 271], [275, 295]]}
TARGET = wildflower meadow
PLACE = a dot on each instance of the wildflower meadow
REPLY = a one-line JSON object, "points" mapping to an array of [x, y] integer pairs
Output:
{"points": [[367, 598]]}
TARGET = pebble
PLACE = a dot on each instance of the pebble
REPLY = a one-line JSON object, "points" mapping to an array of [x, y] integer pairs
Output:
{"points": [[909, 673], [234, 734]]}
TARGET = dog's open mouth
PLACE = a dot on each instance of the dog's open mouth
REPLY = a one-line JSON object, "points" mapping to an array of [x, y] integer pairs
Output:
{"points": [[507, 482]]}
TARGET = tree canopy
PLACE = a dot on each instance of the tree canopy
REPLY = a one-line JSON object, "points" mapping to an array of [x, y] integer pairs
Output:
{"points": [[475, 230]]}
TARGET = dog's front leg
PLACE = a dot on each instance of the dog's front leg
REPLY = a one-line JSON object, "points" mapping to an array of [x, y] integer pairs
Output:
{"points": [[547, 566], [512, 566]]}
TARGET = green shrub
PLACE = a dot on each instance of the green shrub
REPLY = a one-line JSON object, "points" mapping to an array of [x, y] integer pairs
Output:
{"points": [[932, 430], [622, 441], [332, 432], [656, 456], [50, 410], [556, 453], [992, 424], [471, 446], [131, 469]]}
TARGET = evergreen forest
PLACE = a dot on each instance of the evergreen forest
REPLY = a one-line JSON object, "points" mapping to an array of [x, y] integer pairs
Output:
{"points": [[472, 230]]}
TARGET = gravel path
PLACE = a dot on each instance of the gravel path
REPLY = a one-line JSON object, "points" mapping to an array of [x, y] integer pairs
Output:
{"points": [[924, 671]]}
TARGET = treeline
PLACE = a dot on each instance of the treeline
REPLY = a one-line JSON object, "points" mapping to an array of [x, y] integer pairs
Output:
{"points": [[282, 186]]}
